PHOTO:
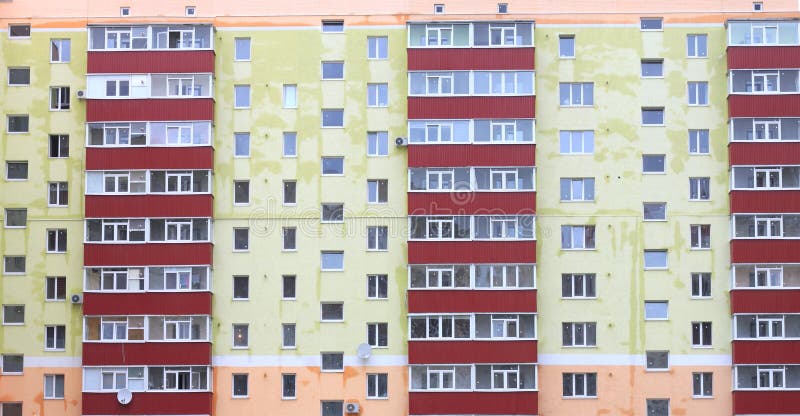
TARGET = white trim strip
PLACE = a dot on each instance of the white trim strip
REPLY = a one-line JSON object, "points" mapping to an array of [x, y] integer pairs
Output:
{"points": [[303, 360], [69, 362], [633, 360], [317, 28]]}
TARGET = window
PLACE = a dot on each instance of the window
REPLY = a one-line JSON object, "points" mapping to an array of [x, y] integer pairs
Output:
{"points": [[241, 97], [289, 144], [699, 189], [332, 118], [377, 238], [289, 238], [652, 68], [241, 287], [700, 236], [577, 237], [576, 142], [578, 285], [332, 212], [653, 163], [290, 96], [289, 386], [656, 310], [701, 285], [118, 88], [655, 259], [59, 50], [57, 194], [57, 241], [576, 94], [59, 145], [377, 386], [333, 70], [19, 76], [17, 171], [241, 192], [16, 217], [697, 46], [19, 31], [758, 6], [289, 192], [332, 311], [55, 288], [378, 335], [239, 385], [241, 144], [333, 26], [13, 314], [577, 189], [190, 11], [332, 260], [377, 47], [11, 409], [17, 123], [240, 335], [59, 98], [288, 332], [657, 360], [701, 334], [242, 49], [698, 93], [378, 143], [702, 385], [377, 95], [652, 116], [124, 11], [438, 9], [657, 407], [14, 265], [566, 46], [54, 337], [289, 287], [651, 23], [655, 211], [578, 334], [485, 82], [377, 286], [502, 8], [11, 364], [458, 326], [377, 191], [579, 384], [54, 386], [241, 239], [698, 142], [332, 361]]}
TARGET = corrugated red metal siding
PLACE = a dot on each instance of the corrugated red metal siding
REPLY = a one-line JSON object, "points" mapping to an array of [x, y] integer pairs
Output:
{"points": [[147, 254], [468, 403], [147, 303], [463, 155], [764, 251], [423, 108], [787, 105], [126, 206], [467, 301], [745, 153], [150, 62], [773, 402], [765, 201], [442, 352], [765, 301], [463, 203], [766, 352], [149, 403], [116, 158], [763, 57], [151, 353], [476, 59], [150, 109], [443, 252]]}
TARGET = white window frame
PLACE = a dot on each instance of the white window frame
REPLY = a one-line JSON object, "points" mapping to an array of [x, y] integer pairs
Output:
{"points": [[693, 43], [697, 281], [378, 95], [580, 285], [375, 282], [575, 328], [695, 88], [578, 237], [696, 139], [582, 183], [572, 96], [374, 381], [374, 47], [580, 385], [696, 188], [697, 232], [374, 331]]}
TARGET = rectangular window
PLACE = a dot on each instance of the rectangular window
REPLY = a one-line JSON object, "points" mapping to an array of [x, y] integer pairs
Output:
{"points": [[289, 192], [11, 364], [242, 49], [16, 217], [566, 46], [657, 360], [578, 334], [657, 407], [702, 385], [241, 97], [653, 163], [698, 93], [699, 189], [577, 189], [55, 337], [288, 333], [332, 311], [19, 31], [289, 144], [59, 146], [122, 88], [701, 285], [13, 314], [332, 212], [377, 47], [240, 335], [576, 142], [17, 171], [59, 50], [289, 287], [289, 238], [57, 241], [697, 46], [378, 335], [377, 95], [578, 285], [333, 26], [458, 326], [333, 70], [576, 94], [241, 287], [290, 96], [241, 144], [241, 239], [652, 68], [656, 310], [289, 386], [577, 237], [11, 409], [652, 116], [377, 286], [332, 260], [655, 259], [55, 288], [17, 123], [54, 386], [377, 238], [59, 98], [377, 143], [579, 385], [655, 211], [377, 386], [698, 142], [332, 165], [239, 386], [377, 191], [651, 23], [701, 334], [332, 361], [13, 264], [700, 236], [484, 83], [241, 192], [19, 76], [332, 118], [58, 194]]}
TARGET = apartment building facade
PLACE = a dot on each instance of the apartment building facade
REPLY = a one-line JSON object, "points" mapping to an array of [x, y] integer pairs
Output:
{"points": [[402, 209]]}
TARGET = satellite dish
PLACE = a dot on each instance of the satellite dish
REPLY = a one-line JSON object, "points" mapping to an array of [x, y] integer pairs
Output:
{"points": [[364, 351], [124, 396]]}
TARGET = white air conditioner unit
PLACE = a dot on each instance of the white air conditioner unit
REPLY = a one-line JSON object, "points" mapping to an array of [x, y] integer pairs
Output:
{"points": [[401, 141], [81, 94], [352, 408], [77, 298]]}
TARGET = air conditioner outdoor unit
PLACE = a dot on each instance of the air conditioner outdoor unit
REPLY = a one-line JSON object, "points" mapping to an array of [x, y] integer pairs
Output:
{"points": [[77, 298], [401, 141], [352, 408], [81, 94]]}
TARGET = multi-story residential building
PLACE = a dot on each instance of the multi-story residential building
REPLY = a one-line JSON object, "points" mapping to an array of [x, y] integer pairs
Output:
{"points": [[422, 209]]}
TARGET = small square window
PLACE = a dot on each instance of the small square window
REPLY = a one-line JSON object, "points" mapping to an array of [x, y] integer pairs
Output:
{"points": [[240, 336], [289, 238], [16, 217], [758, 6], [651, 23], [124, 11], [60, 50], [656, 310], [377, 47], [14, 265], [12, 364], [57, 241], [698, 142], [438, 8], [241, 144], [657, 407], [377, 191], [332, 311], [701, 285], [655, 211], [332, 165], [289, 287], [653, 116], [241, 287], [17, 171], [241, 96], [240, 386], [653, 163], [19, 31], [332, 361], [332, 118], [377, 286], [655, 259], [288, 386], [289, 192], [332, 212], [333, 70], [17, 123], [241, 192], [332, 260], [54, 386], [289, 144], [566, 46], [502, 8], [55, 288], [378, 143], [377, 95], [657, 360], [289, 96], [288, 335], [59, 146], [241, 239], [241, 49], [19, 76], [333, 26], [652, 68], [13, 314], [191, 11]]}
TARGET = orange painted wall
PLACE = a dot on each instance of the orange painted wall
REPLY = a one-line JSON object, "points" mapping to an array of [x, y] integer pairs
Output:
{"points": [[28, 388]]}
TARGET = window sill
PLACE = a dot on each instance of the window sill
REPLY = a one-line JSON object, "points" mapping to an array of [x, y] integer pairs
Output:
{"points": [[700, 154], [289, 398], [53, 398], [15, 227], [700, 249], [241, 60], [14, 273], [240, 299], [16, 180], [579, 397], [56, 252], [702, 347], [654, 220], [289, 299], [240, 348], [14, 324], [378, 398], [697, 57], [377, 299], [289, 348], [331, 321], [580, 346], [331, 270], [241, 251], [655, 268], [701, 298], [700, 200], [332, 371], [17, 132], [332, 127], [653, 125], [570, 58], [55, 350], [55, 300], [578, 249], [332, 174], [289, 250], [369, 155], [579, 298], [653, 77], [241, 156], [656, 319], [698, 105], [702, 397], [377, 250], [19, 85], [239, 397], [656, 370], [289, 156], [11, 374]]}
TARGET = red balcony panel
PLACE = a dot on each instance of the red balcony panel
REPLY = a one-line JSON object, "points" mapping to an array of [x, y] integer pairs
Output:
{"points": [[464, 203], [461, 155], [124, 206], [763, 57], [444, 252], [150, 353], [469, 301], [765, 251], [486, 352], [147, 303], [765, 352], [453, 59], [150, 109], [116, 158], [148, 403], [755, 153], [147, 254], [422, 108], [766, 402], [765, 300], [153, 62], [787, 105], [765, 201], [487, 403]]}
